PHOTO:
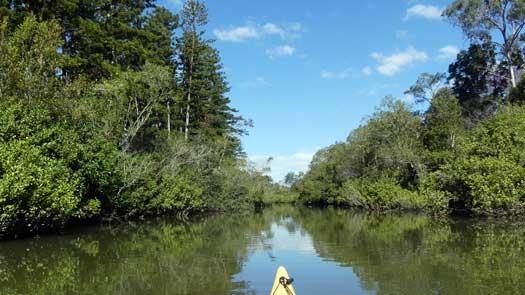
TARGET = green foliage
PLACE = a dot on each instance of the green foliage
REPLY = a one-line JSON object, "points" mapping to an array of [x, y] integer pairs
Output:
{"points": [[160, 25], [280, 197], [322, 182], [248, 185], [278, 194], [386, 194], [291, 179], [173, 192], [437, 200], [388, 146], [29, 60], [479, 19], [349, 195], [474, 84], [49, 172], [206, 109], [442, 129], [517, 94], [393, 142], [103, 37], [93, 99], [488, 175], [443, 123], [396, 161], [133, 106]]}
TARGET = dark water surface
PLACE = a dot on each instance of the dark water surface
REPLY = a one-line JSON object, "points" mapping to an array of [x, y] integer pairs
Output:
{"points": [[327, 251]]}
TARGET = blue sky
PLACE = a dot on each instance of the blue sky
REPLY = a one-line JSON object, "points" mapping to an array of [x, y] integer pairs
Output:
{"points": [[307, 72]]}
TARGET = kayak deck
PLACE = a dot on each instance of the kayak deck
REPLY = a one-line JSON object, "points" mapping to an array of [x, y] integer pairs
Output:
{"points": [[282, 284]]}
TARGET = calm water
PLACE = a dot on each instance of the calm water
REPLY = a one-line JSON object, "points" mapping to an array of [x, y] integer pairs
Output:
{"points": [[327, 251]]}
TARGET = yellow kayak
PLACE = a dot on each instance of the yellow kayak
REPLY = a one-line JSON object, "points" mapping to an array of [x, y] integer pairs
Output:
{"points": [[282, 285]]}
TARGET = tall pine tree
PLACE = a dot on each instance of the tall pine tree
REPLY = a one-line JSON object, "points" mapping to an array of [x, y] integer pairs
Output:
{"points": [[204, 105], [191, 48]]}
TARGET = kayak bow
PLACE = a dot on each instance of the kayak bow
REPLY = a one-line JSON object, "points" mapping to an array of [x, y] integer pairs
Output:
{"points": [[282, 285]]}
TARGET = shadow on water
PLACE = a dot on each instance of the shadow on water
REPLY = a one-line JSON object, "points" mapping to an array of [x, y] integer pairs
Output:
{"points": [[338, 251]]}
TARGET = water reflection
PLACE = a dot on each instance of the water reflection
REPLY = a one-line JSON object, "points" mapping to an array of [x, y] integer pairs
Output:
{"points": [[328, 251], [158, 257], [412, 254]]}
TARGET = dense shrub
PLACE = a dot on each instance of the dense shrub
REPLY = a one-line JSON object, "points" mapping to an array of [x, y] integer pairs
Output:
{"points": [[437, 200], [349, 195], [49, 173], [387, 194], [488, 174]]}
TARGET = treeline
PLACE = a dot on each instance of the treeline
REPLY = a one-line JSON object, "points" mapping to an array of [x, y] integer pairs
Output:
{"points": [[465, 153], [114, 109]]}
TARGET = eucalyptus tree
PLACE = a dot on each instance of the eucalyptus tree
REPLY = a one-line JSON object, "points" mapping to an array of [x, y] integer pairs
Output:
{"points": [[480, 18], [426, 86]]}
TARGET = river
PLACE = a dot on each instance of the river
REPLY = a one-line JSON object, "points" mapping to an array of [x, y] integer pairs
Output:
{"points": [[327, 251]]}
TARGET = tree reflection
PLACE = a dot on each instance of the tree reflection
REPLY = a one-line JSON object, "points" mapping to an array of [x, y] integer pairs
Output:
{"points": [[415, 254], [390, 254], [159, 257]]}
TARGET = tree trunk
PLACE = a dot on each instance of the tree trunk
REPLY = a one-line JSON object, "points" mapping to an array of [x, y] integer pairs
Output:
{"points": [[186, 129], [511, 70], [169, 120], [512, 77]]}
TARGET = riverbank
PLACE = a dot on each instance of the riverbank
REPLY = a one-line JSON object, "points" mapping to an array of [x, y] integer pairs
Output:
{"points": [[277, 197], [401, 160]]}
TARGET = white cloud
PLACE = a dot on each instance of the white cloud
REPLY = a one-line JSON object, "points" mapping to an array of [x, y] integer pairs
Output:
{"points": [[348, 72], [448, 52], [367, 71], [391, 64], [280, 51], [252, 31], [287, 31], [237, 34], [273, 29], [282, 164], [425, 11]]}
